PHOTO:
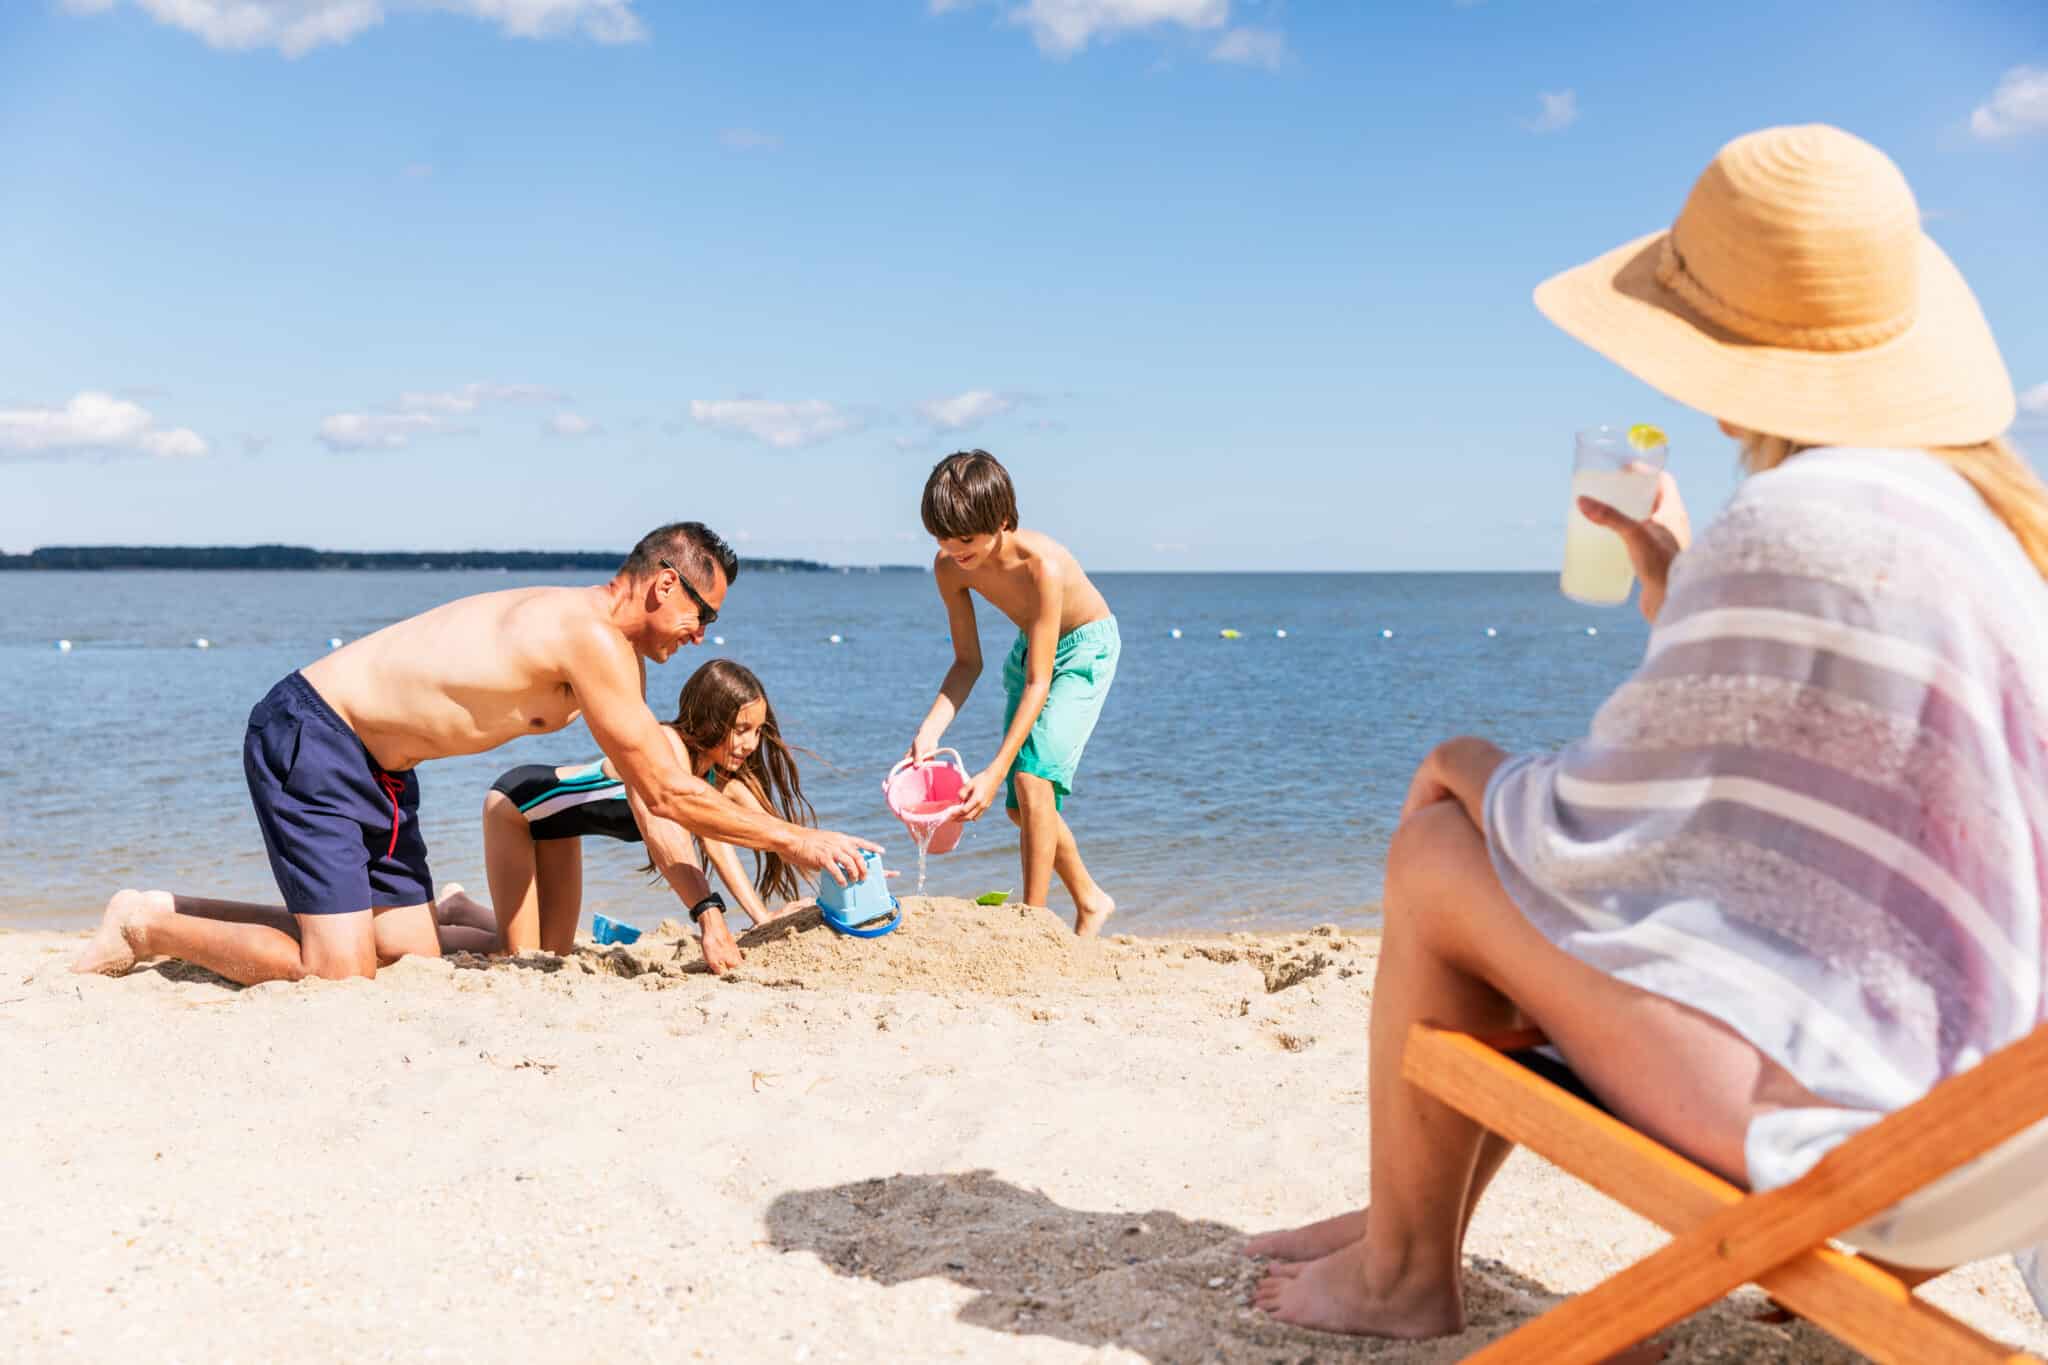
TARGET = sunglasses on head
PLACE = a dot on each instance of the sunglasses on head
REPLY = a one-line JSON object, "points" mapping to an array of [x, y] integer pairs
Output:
{"points": [[706, 613]]}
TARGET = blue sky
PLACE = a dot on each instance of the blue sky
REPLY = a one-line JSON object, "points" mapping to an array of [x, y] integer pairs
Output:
{"points": [[1228, 284]]}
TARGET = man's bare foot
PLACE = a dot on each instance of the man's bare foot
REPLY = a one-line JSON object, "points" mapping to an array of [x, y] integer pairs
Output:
{"points": [[1090, 916], [1330, 1295], [1311, 1241], [118, 942]]}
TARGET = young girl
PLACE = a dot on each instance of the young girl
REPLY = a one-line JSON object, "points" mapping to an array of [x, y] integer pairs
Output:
{"points": [[536, 815]]}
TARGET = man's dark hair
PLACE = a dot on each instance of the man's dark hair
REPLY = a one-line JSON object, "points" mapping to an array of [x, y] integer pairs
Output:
{"points": [[694, 548], [969, 494]]}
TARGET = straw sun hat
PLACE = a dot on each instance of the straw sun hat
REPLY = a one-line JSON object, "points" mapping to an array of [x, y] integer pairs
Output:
{"points": [[1796, 296]]}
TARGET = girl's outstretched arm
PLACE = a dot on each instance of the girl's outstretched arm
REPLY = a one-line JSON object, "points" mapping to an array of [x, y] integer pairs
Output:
{"points": [[726, 859]]}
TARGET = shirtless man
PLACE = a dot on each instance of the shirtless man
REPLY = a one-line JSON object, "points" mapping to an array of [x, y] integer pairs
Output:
{"points": [[331, 749]]}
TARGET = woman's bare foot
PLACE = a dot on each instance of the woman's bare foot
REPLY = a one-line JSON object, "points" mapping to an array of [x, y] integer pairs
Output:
{"points": [[1311, 1241], [1330, 1295], [118, 942], [1089, 915]]}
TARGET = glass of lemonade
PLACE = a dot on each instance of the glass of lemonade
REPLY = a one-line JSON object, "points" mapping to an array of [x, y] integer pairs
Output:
{"points": [[1618, 466]]}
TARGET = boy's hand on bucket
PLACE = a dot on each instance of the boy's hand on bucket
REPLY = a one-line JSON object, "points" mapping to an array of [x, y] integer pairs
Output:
{"points": [[979, 794], [920, 749]]}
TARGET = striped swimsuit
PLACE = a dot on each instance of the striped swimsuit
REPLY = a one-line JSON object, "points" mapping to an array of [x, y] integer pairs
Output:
{"points": [[568, 803]]}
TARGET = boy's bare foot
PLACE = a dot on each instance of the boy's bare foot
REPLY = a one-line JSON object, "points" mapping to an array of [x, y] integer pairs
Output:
{"points": [[1090, 915], [1311, 1241], [117, 943], [1330, 1295]]}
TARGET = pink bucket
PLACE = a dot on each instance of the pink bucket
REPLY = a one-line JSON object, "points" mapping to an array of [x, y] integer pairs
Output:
{"points": [[921, 796]]}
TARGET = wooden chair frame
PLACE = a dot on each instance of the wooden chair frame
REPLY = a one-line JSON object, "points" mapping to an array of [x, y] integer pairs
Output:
{"points": [[1724, 1237]]}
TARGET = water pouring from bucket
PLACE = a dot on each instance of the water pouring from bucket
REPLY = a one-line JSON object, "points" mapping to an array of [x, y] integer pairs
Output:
{"points": [[925, 797]]}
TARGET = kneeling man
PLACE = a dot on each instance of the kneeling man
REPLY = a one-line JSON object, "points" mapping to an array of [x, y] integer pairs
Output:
{"points": [[330, 754]]}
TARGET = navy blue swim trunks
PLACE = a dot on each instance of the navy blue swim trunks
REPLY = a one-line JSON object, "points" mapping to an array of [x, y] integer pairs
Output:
{"points": [[342, 833]]}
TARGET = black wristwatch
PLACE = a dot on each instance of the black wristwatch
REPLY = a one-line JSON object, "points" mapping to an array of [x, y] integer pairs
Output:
{"points": [[714, 901]]}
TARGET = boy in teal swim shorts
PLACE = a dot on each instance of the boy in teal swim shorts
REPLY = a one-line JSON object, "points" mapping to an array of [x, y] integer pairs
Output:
{"points": [[1054, 681]]}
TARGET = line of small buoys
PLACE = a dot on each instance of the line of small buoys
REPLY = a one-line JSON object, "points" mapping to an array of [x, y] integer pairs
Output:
{"points": [[1232, 633], [835, 639], [334, 642], [202, 643], [718, 639], [63, 646]]}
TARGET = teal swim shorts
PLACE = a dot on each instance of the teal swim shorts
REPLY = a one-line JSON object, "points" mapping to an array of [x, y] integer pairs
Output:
{"points": [[1082, 666]]}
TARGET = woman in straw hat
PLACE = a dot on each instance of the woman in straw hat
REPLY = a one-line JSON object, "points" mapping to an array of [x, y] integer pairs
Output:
{"points": [[1800, 860]]}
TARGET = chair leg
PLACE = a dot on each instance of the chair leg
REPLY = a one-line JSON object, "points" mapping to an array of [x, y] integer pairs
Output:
{"points": [[1847, 1295]]}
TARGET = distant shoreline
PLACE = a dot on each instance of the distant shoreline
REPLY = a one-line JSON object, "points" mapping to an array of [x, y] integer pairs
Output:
{"points": [[302, 558]]}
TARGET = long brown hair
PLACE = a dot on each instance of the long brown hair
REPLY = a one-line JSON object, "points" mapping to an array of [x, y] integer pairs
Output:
{"points": [[706, 711], [1995, 468]]}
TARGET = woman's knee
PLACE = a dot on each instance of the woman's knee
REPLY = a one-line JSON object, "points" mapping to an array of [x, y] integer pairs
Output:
{"points": [[1429, 852]]}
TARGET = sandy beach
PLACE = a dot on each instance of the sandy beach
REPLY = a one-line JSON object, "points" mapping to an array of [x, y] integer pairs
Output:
{"points": [[976, 1139]]}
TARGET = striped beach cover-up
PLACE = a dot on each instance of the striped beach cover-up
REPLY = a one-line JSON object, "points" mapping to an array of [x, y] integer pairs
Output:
{"points": [[1818, 811]]}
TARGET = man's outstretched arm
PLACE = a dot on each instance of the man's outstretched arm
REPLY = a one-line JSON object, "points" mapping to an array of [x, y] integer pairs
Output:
{"points": [[606, 677]]}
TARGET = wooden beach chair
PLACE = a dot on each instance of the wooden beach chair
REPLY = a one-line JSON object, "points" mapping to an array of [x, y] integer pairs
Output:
{"points": [[1724, 1237]]}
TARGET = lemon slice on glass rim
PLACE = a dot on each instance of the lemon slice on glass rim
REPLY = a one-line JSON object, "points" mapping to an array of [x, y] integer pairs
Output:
{"points": [[1643, 436]]}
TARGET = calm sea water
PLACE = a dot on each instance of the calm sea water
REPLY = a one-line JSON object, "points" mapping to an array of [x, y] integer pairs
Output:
{"points": [[1232, 783]]}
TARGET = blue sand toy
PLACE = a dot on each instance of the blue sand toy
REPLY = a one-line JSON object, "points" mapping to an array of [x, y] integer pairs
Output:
{"points": [[854, 909], [604, 929]]}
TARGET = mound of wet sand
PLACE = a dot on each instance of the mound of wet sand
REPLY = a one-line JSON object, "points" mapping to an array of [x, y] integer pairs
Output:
{"points": [[947, 945]]}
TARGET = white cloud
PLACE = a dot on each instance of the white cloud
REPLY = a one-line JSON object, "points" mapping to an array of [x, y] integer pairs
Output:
{"points": [[93, 422], [296, 27], [470, 397], [569, 424], [423, 412], [345, 431], [1263, 47], [964, 410], [178, 443], [784, 425], [750, 140], [2018, 105], [2034, 401], [1063, 27], [1560, 111]]}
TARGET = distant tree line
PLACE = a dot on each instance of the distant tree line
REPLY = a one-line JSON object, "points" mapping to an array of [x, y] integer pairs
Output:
{"points": [[304, 557]]}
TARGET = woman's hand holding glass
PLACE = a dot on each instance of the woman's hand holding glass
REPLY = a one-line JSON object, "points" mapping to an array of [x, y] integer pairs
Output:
{"points": [[1653, 541]]}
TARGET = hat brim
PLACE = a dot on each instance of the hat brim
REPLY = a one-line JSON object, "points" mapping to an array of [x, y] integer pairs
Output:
{"points": [[1941, 382]]}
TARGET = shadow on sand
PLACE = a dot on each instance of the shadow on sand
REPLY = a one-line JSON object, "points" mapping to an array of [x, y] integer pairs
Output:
{"points": [[1166, 1287]]}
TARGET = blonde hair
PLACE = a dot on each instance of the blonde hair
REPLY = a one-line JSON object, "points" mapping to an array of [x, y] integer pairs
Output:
{"points": [[1995, 468]]}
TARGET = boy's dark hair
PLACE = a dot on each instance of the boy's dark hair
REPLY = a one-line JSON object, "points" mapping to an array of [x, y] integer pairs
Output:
{"points": [[969, 494], [693, 547]]}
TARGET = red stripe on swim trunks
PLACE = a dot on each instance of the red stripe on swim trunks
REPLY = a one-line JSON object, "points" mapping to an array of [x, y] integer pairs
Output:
{"points": [[392, 787]]}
